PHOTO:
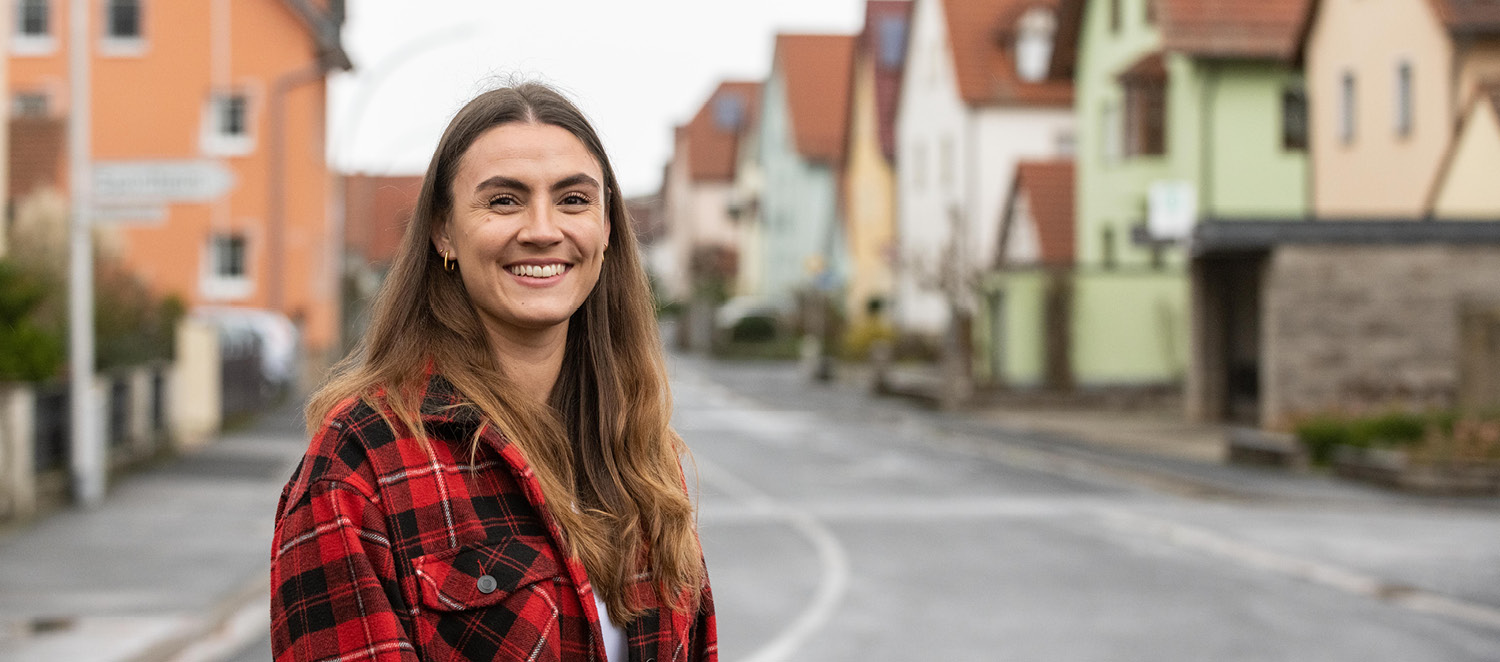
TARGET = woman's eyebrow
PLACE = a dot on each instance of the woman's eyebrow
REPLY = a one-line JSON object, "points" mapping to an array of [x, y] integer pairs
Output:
{"points": [[499, 181], [579, 179]]}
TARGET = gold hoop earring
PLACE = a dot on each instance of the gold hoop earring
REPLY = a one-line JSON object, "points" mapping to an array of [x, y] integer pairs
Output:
{"points": [[448, 263]]}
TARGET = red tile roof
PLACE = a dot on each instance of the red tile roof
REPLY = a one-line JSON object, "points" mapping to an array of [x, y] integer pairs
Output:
{"points": [[1469, 17], [713, 134], [878, 13], [1048, 187], [1464, 18], [818, 73], [1232, 28], [986, 70]]}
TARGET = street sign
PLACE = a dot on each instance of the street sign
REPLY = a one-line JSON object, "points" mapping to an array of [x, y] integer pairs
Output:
{"points": [[147, 213], [1172, 208], [161, 181]]}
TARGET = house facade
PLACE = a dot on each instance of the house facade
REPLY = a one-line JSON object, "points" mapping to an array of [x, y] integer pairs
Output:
{"points": [[1188, 112], [805, 106], [234, 86], [1026, 328], [1386, 300], [1388, 82], [1466, 182], [975, 100], [699, 182], [869, 188]]}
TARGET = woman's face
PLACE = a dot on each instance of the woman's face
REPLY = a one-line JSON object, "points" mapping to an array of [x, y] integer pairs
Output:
{"points": [[528, 227]]}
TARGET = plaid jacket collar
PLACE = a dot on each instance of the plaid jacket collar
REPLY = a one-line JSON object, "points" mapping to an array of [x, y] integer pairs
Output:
{"points": [[448, 414]]}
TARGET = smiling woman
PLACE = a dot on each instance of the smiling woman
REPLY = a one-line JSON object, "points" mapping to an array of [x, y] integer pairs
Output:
{"points": [[492, 474]]}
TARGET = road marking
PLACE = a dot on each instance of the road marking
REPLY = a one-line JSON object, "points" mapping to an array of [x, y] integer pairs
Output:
{"points": [[1314, 572], [906, 510], [831, 556]]}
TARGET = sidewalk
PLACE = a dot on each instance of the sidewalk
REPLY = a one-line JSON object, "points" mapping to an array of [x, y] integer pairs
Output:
{"points": [[1152, 445], [177, 555]]}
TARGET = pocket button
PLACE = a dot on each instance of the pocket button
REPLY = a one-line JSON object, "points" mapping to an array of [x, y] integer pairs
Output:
{"points": [[487, 584]]}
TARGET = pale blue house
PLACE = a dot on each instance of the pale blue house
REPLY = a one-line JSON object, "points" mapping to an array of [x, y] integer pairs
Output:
{"points": [[804, 115]]}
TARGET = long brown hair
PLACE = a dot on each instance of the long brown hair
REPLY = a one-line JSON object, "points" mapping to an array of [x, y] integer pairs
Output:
{"points": [[602, 446]]}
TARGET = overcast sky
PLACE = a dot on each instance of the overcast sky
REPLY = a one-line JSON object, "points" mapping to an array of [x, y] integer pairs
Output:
{"points": [[637, 67]]}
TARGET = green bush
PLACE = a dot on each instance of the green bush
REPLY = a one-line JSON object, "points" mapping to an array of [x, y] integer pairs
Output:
{"points": [[1321, 435], [1393, 429], [28, 351], [754, 329]]}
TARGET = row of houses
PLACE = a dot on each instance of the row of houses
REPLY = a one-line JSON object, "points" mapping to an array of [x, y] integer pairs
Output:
{"points": [[1275, 207]]}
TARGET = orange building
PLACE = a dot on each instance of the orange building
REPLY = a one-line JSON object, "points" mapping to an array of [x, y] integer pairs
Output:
{"points": [[236, 85]]}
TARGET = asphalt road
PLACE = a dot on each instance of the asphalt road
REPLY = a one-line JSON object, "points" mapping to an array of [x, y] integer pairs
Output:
{"points": [[841, 528]]}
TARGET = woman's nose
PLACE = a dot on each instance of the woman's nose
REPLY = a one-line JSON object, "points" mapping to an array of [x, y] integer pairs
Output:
{"points": [[541, 227]]}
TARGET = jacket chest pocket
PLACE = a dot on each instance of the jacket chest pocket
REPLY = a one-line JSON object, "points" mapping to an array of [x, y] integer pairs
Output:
{"points": [[493, 601]]}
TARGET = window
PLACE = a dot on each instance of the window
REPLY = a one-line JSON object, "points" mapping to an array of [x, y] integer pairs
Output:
{"points": [[1146, 116], [1346, 108], [231, 113], [945, 162], [29, 104], [33, 28], [729, 112], [1107, 247], [892, 42], [1109, 128], [1294, 119], [1403, 99], [227, 268], [227, 125], [122, 19], [32, 18], [919, 167], [1034, 43], [229, 256], [1114, 16]]}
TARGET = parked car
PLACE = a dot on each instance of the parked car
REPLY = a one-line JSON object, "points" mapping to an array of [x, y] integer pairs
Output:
{"points": [[276, 335]]}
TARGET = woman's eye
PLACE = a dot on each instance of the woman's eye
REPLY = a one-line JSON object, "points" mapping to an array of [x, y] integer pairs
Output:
{"points": [[575, 199], [502, 200]]}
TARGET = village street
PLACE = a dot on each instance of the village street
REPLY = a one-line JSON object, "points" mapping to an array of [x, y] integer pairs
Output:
{"points": [[841, 527], [838, 527]]}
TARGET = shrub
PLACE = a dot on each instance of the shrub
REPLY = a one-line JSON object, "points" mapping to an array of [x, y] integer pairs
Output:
{"points": [[28, 351], [753, 329], [1320, 435], [1395, 428]]}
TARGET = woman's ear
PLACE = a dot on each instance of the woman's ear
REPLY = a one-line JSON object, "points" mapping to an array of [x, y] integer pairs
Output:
{"points": [[440, 240]]}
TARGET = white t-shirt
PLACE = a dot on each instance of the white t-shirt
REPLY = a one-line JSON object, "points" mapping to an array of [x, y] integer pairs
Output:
{"points": [[614, 637]]}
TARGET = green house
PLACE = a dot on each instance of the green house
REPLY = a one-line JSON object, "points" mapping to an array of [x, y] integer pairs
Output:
{"points": [[1188, 112]]}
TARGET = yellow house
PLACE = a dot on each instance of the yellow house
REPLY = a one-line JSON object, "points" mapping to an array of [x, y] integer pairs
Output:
{"points": [[869, 190], [1467, 186], [1387, 82]]}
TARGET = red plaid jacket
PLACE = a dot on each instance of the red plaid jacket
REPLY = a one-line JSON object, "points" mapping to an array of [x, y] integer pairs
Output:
{"points": [[386, 550]]}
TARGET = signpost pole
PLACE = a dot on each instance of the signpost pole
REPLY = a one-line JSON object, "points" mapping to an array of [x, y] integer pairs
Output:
{"points": [[86, 456]]}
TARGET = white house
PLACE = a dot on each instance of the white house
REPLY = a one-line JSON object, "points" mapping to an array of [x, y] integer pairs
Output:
{"points": [[976, 100], [696, 190]]}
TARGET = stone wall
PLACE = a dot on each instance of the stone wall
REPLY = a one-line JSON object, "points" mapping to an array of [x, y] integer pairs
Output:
{"points": [[1368, 328]]}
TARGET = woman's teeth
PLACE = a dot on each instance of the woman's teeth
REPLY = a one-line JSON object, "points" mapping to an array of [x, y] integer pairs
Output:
{"points": [[537, 271]]}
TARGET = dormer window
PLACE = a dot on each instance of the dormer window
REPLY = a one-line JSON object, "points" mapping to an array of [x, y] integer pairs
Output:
{"points": [[892, 41], [729, 112], [1034, 36]]}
